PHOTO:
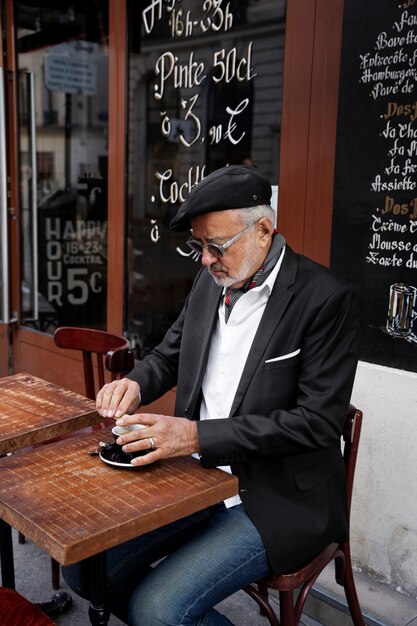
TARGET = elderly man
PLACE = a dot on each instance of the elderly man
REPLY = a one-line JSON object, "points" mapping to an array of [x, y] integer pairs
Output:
{"points": [[263, 356]]}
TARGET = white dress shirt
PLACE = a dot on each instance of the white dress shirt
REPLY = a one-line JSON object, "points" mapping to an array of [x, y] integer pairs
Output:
{"points": [[229, 349]]}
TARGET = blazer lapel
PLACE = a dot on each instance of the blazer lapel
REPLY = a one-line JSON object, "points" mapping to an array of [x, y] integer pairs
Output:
{"points": [[278, 301], [210, 302]]}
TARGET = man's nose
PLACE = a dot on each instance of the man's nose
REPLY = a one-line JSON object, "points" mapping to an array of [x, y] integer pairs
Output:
{"points": [[207, 258]]}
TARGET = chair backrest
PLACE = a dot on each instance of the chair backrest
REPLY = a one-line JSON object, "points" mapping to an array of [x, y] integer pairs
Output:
{"points": [[112, 351], [351, 436]]}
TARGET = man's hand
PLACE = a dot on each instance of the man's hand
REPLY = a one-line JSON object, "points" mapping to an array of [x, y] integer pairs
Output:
{"points": [[119, 397], [172, 436]]}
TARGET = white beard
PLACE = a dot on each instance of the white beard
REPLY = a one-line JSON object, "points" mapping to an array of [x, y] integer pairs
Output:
{"points": [[244, 272]]}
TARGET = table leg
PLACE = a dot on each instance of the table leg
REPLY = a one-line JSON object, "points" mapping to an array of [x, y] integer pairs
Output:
{"points": [[6, 556], [98, 612]]}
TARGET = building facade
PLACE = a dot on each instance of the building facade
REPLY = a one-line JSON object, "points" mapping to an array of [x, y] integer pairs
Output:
{"points": [[111, 110]]}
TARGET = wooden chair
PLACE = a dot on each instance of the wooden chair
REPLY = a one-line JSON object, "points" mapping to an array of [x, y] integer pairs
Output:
{"points": [[305, 577], [15, 610], [112, 352]]}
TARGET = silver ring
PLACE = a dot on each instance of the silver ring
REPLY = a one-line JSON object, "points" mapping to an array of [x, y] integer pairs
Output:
{"points": [[152, 442]]}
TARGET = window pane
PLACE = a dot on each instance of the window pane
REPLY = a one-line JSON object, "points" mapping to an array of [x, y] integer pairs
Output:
{"points": [[205, 90], [62, 57]]}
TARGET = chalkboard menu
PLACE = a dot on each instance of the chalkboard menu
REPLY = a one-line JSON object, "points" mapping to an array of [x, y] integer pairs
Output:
{"points": [[374, 238]]}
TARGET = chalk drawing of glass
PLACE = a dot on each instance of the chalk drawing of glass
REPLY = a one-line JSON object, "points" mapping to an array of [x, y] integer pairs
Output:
{"points": [[402, 311]]}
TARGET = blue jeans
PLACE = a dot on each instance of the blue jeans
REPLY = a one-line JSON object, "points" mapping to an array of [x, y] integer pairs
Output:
{"points": [[211, 555]]}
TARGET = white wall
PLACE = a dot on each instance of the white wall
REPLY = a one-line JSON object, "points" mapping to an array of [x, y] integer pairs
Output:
{"points": [[384, 510]]}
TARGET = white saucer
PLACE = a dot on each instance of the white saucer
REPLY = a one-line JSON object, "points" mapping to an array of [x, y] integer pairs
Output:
{"points": [[115, 463]]}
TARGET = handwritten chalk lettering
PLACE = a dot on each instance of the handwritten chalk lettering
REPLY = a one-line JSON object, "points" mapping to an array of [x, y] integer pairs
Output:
{"points": [[401, 110], [392, 168], [407, 86], [413, 227], [405, 20], [406, 208], [404, 184], [408, 3], [397, 149], [407, 131], [377, 60], [216, 133], [377, 243], [384, 41], [222, 19], [215, 19], [190, 116], [155, 235], [411, 262], [412, 149], [153, 13], [397, 75], [380, 225], [375, 259], [188, 75], [178, 193], [389, 131], [381, 90], [226, 65], [181, 24], [413, 59], [409, 167]]}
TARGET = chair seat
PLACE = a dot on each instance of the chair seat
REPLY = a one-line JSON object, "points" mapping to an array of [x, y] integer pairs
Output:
{"points": [[15, 610], [286, 582]]}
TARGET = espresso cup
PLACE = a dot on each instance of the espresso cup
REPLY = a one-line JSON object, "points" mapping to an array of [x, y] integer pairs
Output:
{"points": [[123, 430]]}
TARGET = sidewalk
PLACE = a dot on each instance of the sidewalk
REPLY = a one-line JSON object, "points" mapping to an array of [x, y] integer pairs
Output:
{"points": [[33, 580], [326, 605]]}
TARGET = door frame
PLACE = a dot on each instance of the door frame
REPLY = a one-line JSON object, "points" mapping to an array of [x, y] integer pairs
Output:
{"points": [[309, 118]]}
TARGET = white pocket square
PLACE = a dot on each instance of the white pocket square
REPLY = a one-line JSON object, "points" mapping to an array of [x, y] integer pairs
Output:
{"points": [[284, 356]]}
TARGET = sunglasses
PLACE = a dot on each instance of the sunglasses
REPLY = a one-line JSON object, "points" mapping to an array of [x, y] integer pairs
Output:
{"points": [[216, 249]]}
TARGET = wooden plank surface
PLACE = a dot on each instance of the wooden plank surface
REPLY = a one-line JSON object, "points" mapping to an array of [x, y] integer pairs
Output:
{"points": [[33, 410], [72, 505]]}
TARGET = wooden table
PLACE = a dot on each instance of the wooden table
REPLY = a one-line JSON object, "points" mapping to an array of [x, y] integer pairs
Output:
{"points": [[33, 410], [74, 506]]}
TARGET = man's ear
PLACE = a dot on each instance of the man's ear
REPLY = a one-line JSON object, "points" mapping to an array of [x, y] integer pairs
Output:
{"points": [[265, 230]]}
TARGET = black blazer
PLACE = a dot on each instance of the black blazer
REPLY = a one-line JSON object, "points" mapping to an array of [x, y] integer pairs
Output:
{"points": [[282, 437]]}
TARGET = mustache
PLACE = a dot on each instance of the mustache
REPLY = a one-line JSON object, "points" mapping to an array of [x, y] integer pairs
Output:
{"points": [[216, 267]]}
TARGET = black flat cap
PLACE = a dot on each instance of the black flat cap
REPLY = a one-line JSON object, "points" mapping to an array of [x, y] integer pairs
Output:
{"points": [[230, 187]]}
